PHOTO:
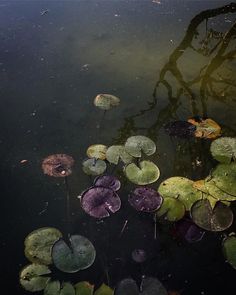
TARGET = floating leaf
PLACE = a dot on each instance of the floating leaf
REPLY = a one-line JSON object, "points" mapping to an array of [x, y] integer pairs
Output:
{"points": [[206, 128], [139, 255], [104, 290], [147, 172], [94, 167], [172, 209], [99, 202], [33, 277], [217, 193], [117, 152], [38, 244], [84, 288], [188, 230], [108, 181], [145, 199], [58, 165], [180, 188], [79, 255], [224, 149], [229, 250], [181, 129], [135, 145], [97, 151], [56, 288], [127, 287], [106, 101], [217, 219]]}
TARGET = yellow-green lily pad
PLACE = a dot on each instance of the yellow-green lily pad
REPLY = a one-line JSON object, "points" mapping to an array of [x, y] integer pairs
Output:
{"points": [[135, 145], [117, 152], [106, 101], [97, 151], [172, 209], [229, 250], [147, 172], [224, 149], [104, 290], [56, 288], [84, 288]]}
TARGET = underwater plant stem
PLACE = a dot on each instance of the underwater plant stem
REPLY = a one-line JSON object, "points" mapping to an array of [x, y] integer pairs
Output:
{"points": [[155, 226], [68, 222], [123, 227]]}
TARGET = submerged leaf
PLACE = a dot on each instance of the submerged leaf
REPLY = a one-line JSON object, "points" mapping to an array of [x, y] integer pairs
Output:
{"points": [[94, 167], [97, 151], [224, 149], [108, 181], [79, 255], [146, 173], [139, 255], [182, 129], [106, 101], [188, 230], [206, 128], [173, 209], [229, 250], [135, 145], [117, 152]]}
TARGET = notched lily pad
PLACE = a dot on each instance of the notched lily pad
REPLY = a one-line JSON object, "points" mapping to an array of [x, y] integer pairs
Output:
{"points": [[206, 128], [58, 165], [97, 151], [108, 181], [217, 219], [34, 277], [224, 149], [182, 129], [145, 199], [229, 250], [94, 167], [99, 202], [147, 172], [38, 244], [117, 152], [56, 288], [135, 145], [106, 101], [79, 255], [172, 209]]}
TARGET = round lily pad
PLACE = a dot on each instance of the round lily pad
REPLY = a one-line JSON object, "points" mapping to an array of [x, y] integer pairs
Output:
{"points": [[135, 145], [229, 250], [117, 152], [33, 277], [206, 128], [145, 199], [58, 165], [56, 288], [99, 202], [217, 219], [106, 101], [147, 172], [84, 288], [224, 149], [187, 229], [108, 181], [97, 151], [182, 129], [38, 244], [80, 254], [173, 209], [127, 287], [94, 167], [217, 193], [180, 188]]}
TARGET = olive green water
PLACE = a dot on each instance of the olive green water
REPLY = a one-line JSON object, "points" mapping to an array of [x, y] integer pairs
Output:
{"points": [[52, 65]]}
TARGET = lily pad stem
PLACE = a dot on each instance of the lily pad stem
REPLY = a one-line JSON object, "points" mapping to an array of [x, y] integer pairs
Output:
{"points": [[68, 221]]}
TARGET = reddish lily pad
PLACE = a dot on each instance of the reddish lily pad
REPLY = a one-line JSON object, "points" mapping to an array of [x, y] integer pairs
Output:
{"points": [[188, 230], [58, 165], [108, 181], [206, 128]]}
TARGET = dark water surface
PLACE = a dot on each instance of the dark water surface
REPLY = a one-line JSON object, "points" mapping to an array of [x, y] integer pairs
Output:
{"points": [[52, 65]]}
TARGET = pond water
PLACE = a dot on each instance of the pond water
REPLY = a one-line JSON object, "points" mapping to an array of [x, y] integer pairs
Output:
{"points": [[55, 57]]}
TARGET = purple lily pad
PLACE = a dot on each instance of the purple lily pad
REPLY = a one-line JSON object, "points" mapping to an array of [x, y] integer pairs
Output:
{"points": [[108, 181], [139, 255], [188, 230], [99, 202], [145, 199], [182, 129]]}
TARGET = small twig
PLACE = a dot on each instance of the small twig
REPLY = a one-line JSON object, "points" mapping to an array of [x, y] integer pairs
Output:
{"points": [[123, 228]]}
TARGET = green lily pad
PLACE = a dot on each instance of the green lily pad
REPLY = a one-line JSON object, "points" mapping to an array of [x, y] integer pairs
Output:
{"points": [[106, 101], [56, 288], [32, 277], [116, 152], [172, 209], [224, 176], [217, 219], [224, 149], [84, 288], [38, 244], [146, 173], [79, 255], [104, 290], [135, 145], [217, 193], [94, 167], [229, 250], [97, 151], [180, 188]]}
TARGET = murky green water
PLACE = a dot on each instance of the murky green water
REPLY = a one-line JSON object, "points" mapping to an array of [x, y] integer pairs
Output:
{"points": [[52, 65]]}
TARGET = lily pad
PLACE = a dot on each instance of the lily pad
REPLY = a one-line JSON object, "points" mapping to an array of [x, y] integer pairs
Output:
{"points": [[188, 230], [99, 202], [139, 255], [34, 277], [147, 172], [135, 145], [149, 286], [217, 219], [206, 128], [38, 244], [182, 129], [97, 151], [117, 152], [108, 181], [217, 193], [84, 288], [56, 288], [79, 255], [58, 165], [104, 290], [145, 199], [229, 250], [106, 101], [173, 209], [180, 188], [94, 167], [224, 149]]}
